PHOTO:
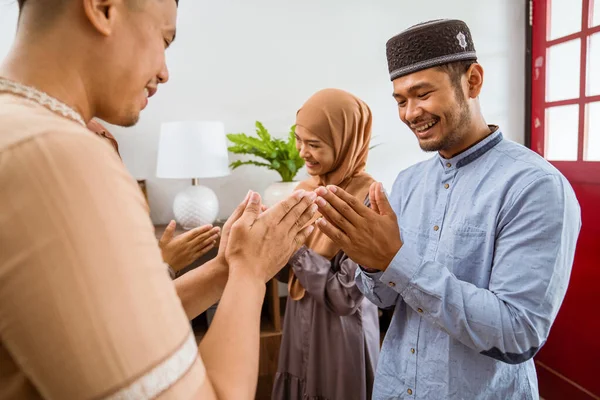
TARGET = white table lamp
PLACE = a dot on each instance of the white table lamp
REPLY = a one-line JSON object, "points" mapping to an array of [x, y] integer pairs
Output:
{"points": [[193, 150]]}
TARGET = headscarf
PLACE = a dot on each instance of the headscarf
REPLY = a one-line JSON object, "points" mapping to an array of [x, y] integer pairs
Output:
{"points": [[342, 121]]}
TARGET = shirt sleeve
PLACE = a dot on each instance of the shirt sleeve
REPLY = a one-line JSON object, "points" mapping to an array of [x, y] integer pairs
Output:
{"points": [[86, 306], [534, 252], [374, 289], [329, 282]]}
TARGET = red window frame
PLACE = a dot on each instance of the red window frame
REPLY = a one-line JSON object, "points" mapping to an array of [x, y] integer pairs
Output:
{"points": [[575, 171]]}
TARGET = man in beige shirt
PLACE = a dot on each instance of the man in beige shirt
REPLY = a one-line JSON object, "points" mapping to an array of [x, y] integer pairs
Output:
{"points": [[86, 308]]}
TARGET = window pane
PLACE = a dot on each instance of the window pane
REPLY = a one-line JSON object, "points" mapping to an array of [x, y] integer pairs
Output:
{"points": [[592, 137], [595, 12], [565, 17], [563, 71], [562, 133], [593, 77]]}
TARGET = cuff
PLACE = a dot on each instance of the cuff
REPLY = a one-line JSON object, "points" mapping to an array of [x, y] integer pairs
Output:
{"points": [[172, 272], [297, 256], [367, 279], [402, 269]]}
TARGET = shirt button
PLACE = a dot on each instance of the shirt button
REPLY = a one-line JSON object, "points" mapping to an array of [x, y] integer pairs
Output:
{"points": [[419, 310], [448, 165], [446, 186], [412, 351], [436, 228], [392, 284], [409, 391]]}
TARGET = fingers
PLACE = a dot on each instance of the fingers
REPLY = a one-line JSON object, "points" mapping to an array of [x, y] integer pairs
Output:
{"points": [[280, 210], [345, 204], [204, 250], [383, 204], [335, 234], [209, 236], [372, 198], [252, 210], [301, 213], [237, 213], [358, 206], [334, 217], [195, 233], [199, 248], [169, 232], [301, 237], [306, 217]]}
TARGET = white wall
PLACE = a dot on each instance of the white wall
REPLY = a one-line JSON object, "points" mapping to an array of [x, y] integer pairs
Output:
{"points": [[239, 61]]}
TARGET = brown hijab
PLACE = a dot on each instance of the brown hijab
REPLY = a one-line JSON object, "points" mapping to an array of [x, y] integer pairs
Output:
{"points": [[342, 121]]}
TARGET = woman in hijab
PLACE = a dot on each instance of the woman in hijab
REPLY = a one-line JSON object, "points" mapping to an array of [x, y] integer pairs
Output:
{"points": [[330, 338]]}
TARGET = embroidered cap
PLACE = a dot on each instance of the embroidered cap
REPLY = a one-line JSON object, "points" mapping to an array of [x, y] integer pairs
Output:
{"points": [[429, 44]]}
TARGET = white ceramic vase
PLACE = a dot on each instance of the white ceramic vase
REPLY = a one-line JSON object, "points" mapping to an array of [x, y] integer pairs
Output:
{"points": [[195, 206], [278, 191]]}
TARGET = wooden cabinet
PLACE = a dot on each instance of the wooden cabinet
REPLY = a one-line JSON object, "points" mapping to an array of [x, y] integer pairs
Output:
{"points": [[270, 326]]}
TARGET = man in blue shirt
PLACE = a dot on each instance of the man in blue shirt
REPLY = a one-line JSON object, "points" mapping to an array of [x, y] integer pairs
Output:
{"points": [[475, 246]]}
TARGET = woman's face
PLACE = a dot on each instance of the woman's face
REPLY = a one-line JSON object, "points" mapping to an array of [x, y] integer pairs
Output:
{"points": [[318, 156]]}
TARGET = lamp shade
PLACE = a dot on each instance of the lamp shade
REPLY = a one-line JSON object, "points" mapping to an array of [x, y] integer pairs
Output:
{"points": [[192, 149]]}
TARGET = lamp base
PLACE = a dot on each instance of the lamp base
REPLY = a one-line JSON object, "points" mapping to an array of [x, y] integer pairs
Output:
{"points": [[196, 206]]}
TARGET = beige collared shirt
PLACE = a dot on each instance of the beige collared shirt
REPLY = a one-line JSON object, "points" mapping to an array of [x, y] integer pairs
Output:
{"points": [[87, 310]]}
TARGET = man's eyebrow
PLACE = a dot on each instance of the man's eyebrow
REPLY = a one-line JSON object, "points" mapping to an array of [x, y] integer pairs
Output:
{"points": [[414, 88]]}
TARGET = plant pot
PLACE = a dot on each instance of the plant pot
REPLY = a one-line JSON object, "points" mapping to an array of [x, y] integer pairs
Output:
{"points": [[278, 191]]}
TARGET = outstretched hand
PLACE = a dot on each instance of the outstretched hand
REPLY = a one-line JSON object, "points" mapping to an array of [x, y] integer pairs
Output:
{"points": [[369, 236], [182, 250], [261, 242]]}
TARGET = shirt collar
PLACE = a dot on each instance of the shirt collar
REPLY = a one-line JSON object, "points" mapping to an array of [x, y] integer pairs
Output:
{"points": [[472, 153]]}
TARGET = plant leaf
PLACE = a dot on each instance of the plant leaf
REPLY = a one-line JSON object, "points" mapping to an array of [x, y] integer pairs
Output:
{"points": [[248, 145], [291, 164], [291, 144], [281, 155], [264, 135], [239, 163]]}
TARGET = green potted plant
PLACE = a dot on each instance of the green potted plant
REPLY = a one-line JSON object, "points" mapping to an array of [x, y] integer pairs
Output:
{"points": [[275, 154]]}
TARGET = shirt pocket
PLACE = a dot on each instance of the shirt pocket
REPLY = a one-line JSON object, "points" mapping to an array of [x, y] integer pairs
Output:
{"points": [[465, 249]]}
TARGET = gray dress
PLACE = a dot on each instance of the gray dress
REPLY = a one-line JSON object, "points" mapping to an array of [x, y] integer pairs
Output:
{"points": [[330, 338]]}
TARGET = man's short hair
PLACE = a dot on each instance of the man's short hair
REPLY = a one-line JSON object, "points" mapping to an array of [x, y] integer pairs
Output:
{"points": [[456, 70], [21, 2]]}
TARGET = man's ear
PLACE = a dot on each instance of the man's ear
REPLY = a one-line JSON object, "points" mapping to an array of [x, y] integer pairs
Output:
{"points": [[102, 14], [474, 80]]}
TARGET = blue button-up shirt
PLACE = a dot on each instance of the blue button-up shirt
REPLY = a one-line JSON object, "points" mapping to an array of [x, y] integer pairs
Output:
{"points": [[488, 243]]}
